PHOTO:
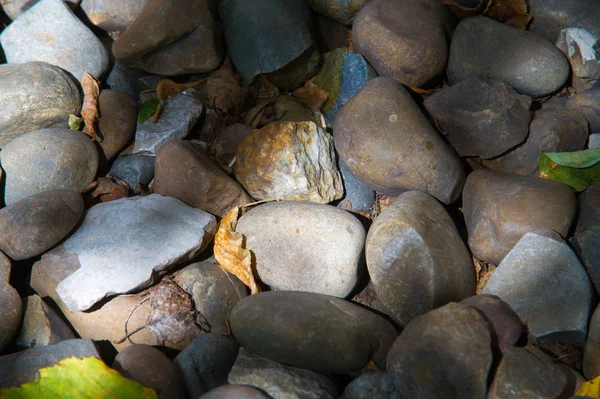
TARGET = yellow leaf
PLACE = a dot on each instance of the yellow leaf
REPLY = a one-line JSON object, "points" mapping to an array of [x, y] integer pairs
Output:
{"points": [[79, 378], [590, 389], [89, 110]]}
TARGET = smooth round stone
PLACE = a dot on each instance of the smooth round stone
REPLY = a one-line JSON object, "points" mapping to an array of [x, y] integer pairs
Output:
{"points": [[35, 95], [404, 39], [371, 384], [481, 116], [526, 61], [11, 308], [302, 246], [499, 208], [48, 159], [235, 391], [134, 169], [551, 16], [342, 11], [35, 224], [387, 143], [444, 353], [416, 258], [112, 16], [588, 103], [550, 131], [313, 331], [50, 32]]}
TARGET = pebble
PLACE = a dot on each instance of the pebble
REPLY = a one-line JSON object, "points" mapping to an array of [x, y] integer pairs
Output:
{"points": [[591, 354], [134, 169], [34, 224], [383, 119], [183, 170], [48, 159], [205, 363], [554, 294], [41, 325], [416, 258], [303, 246], [35, 95], [526, 61], [404, 40], [314, 331], [551, 16], [357, 196], [112, 15], [580, 46], [342, 11], [443, 353], [371, 384], [11, 310], [481, 116], [499, 208], [122, 244], [233, 391], [585, 241], [587, 102], [289, 161], [280, 381], [50, 32]]}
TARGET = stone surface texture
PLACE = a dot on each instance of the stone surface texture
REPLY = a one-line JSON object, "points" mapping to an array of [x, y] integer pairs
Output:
{"points": [[41, 325], [11, 309]]}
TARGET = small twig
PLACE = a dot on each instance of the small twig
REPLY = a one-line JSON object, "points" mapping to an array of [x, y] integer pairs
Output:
{"points": [[128, 335]]}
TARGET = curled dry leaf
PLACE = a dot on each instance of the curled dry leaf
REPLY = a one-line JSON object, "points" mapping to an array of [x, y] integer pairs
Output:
{"points": [[107, 189], [89, 110], [311, 95]]}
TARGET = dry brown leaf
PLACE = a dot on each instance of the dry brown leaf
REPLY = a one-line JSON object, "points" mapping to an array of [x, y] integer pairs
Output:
{"points": [[230, 252], [107, 189], [510, 12], [89, 110], [461, 12], [311, 95], [483, 272]]}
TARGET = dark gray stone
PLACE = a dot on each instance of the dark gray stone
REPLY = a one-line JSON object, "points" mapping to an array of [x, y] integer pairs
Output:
{"points": [[550, 16], [585, 241], [134, 169], [333, 34], [371, 384], [481, 116], [41, 325], [342, 11], [526, 61], [591, 354], [588, 103], [357, 196], [112, 16], [232, 391], [313, 331], [205, 363], [33, 96], [416, 258], [11, 308], [124, 79], [581, 48], [444, 353]]}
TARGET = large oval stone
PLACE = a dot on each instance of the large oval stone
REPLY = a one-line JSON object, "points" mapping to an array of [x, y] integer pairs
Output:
{"points": [[33, 96], [386, 141], [416, 258], [35, 224], [48, 159], [526, 61], [313, 331], [303, 246]]}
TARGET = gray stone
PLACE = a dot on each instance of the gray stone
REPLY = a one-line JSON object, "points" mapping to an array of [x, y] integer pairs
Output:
{"points": [[205, 363], [357, 195], [33, 96], [444, 353], [404, 40], [416, 258], [48, 159], [581, 49], [21, 367], [180, 114], [550, 16], [290, 161], [124, 79], [50, 32], [122, 244], [14, 8], [594, 141], [499, 208], [585, 241], [591, 354], [232, 391], [371, 384], [481, 116], [112, 16], [342, 11], [303, 246], [35, 224], [214, 292], [313, 331], [546, 285], [41, 325], [134, 169], [526, 61], [588, 103], [552, 130], [11, 309], [383, 119]]}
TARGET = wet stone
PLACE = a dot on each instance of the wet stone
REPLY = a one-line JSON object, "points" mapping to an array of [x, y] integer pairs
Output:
{"points": [[41, 325], [134, 169], [11, 309]]}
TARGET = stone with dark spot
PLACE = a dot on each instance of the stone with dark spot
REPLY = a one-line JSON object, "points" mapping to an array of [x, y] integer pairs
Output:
{"points": [[11, 308]]}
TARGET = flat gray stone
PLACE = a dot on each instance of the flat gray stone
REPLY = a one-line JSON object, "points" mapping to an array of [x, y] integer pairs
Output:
{"points": [[547, 286], [50, 32], [41, 325], [303, 246], [416, 258], [280, 381], [11, 309], [122, 244], [35, 95]]}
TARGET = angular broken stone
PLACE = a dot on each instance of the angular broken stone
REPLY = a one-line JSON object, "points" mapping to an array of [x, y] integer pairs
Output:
{"points": [[122, 244]]}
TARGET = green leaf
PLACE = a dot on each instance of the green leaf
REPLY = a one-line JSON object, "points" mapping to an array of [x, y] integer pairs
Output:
{"points": [[578, 169], [75, 122], [82, 379], [147, 109]]}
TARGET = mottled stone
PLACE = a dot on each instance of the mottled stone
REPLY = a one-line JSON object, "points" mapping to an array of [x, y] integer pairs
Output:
{"points": [[481, 116], [11, 309], [383, 119], [50, 32], [500, 207], [112, 16], [291, 161], [550, 16], [233, 391], [416, 258], [526, 61], [35, 95], [371, 384], [35, 224], [134, 169], [48, 159], [313, 331], [591, 354], [581, 49], [41, 325], [404, 40], [444, 353], [588, 103], [280, 381], [342, 11], [552, 130]]}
